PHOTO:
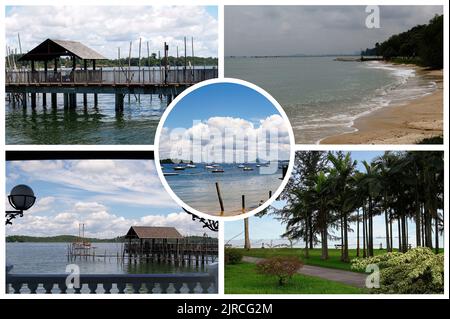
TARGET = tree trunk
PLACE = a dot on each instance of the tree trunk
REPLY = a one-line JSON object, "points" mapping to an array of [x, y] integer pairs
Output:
{"points": [[392, 234], [324, 235], [307, 230], [311, 234], [399, 235], [404, 248], [357, 234], [346, 259], [423, 225], [370, 228], [436, 233], [324, 238], [342, 239], [364, 231], [418, 223], [386, 220]]}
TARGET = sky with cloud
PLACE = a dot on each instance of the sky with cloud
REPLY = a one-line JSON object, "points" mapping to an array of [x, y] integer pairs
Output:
{"points": [[287, 30], [108, 196], [218, 121], [105, 28]]}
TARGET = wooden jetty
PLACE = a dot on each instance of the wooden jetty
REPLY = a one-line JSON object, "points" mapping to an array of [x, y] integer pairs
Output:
{"points": [[151, 244], [164, 80], [166, 244]]}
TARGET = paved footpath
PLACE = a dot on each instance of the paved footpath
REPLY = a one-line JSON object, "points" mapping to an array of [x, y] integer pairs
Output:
{"points": [[343, 276]]}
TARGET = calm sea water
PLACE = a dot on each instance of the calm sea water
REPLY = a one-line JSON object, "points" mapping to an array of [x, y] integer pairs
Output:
{"points": [[41, 258], [196, 187], [100, 125], [323, 97]]}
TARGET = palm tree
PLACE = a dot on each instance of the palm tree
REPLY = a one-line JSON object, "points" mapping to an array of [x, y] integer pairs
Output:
{"points": [[322, 199], [340, 177], [372, 182]]}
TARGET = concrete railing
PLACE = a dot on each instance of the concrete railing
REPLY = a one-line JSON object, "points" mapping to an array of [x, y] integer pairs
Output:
{"points": [[115, 283]]}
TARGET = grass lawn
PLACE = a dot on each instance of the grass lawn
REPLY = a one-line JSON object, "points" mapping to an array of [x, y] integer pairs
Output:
{"points": [[242, 279], [334, 260]]}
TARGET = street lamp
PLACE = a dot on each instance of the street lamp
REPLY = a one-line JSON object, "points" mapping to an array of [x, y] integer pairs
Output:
{"points": [[21, 198]]}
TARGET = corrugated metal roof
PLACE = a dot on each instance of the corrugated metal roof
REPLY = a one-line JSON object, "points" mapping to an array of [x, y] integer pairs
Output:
{"points": [[148, 232], [50, 49]]}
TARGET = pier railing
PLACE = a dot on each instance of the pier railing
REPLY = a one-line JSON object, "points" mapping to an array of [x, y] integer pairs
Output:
{"points": [[114, 76], [115, 283]]}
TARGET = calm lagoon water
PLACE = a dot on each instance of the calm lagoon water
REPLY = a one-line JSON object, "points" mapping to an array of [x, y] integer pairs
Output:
{"points": [[100, 125], [41, 258], [323, 97], [196, 187]]}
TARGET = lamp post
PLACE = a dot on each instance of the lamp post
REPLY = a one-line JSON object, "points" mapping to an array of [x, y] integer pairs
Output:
{"points": [[21, 198]]}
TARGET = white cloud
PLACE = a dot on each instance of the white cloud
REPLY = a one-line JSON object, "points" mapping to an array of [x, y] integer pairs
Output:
{"points": [[99, 223], [228, 139], [112, 181], [105, 28]]}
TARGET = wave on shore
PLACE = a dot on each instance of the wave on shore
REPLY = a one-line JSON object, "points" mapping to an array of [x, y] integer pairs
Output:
{"points": [[408, 85]]}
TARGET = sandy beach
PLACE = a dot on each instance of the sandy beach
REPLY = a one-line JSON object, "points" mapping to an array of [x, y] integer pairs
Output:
{"points": [[400, 124]]}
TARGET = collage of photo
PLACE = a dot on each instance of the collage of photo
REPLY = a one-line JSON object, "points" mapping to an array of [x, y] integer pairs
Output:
{"points": [[305, 155]]}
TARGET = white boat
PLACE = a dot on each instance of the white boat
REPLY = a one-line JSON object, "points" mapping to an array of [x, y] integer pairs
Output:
{"points": [[179, 168], [248, 168], [257, 165], [241, 166], [191, 166], [209, 167], [218, 170]]}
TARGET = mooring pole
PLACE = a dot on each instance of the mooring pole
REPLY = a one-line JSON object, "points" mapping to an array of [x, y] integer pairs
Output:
{"points": [[220, 199]]}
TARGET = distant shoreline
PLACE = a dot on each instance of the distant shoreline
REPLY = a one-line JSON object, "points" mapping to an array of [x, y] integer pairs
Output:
{"points": [[409, 123], [57, 239]]}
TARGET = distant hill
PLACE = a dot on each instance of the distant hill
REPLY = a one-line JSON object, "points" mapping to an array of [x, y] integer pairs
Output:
{"points": [[71, 238], [57, 239]]}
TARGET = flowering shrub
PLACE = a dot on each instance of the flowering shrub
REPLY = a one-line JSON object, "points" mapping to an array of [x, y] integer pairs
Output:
{"points": [[232, 256], [281, 267], [418, 271]]}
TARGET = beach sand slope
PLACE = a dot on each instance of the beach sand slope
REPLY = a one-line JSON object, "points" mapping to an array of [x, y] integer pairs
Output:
{"points": [[400, 124]]}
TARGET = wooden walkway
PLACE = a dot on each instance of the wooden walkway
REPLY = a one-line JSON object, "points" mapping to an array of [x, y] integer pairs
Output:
{"points": [[346, 277]]}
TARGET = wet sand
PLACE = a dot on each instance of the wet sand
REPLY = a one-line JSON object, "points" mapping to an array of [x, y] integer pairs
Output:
{"points": [[408, 123]]}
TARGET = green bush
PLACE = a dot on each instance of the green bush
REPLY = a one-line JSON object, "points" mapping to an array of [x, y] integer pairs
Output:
{"points": [[281, 267], [232, 256], [418, 271]]}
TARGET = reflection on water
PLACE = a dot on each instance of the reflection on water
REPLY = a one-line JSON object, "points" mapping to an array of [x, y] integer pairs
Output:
{"points": [[51, 258], [85, 125]]}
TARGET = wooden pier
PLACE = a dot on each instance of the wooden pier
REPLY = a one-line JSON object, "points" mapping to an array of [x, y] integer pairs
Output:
{"points": [[152, 244], [165, 244], [163, 80]]}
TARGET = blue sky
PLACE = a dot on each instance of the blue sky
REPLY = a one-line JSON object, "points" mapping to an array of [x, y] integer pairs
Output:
{"points": [[225, 116], [220, 100], [268, 228], [107, 195]]}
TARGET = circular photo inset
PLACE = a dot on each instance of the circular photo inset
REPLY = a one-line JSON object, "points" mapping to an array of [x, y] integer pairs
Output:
{"points": [[224, 148]]}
